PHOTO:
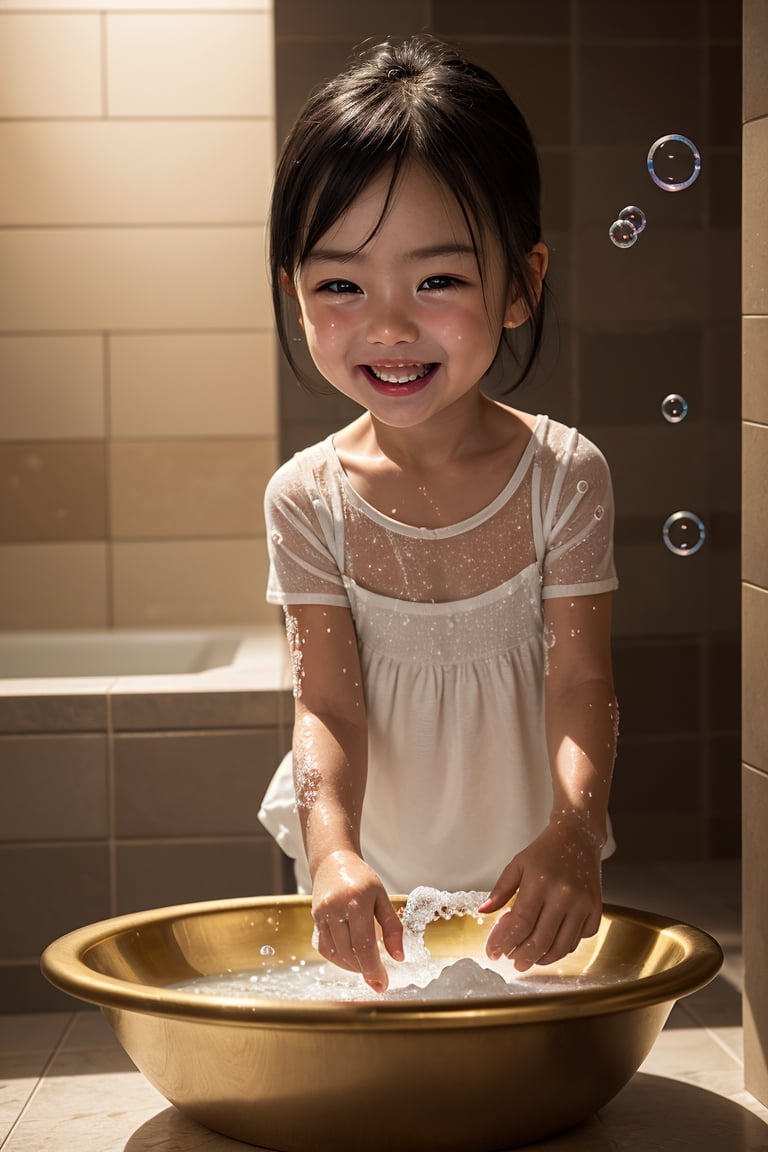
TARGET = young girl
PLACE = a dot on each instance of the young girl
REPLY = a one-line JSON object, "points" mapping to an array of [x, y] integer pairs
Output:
{"points": [[445, 561]]}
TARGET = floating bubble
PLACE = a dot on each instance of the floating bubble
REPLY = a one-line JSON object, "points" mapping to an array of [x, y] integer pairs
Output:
{"points": [[674, 408], [684, 533], [673, 162], [266, 950], [622, 233], [635, 216]]}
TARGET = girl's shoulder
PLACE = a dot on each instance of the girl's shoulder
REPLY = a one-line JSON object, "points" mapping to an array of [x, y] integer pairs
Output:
{"points": [[563, 446], [302, 477]]}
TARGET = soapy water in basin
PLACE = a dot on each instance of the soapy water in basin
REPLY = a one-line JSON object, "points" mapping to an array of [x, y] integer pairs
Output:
{"points": [[420, 976]]}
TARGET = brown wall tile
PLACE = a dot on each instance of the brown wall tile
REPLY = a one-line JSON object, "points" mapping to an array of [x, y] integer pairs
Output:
{"points": [[660, 21], [625, 96], [755, 374], [165, 489], [160, 874], [754, 235], [754, 695], [348, 19], [52, 889], [52, 491], [755, 938], [54, 787], [199, 784], [755, 39], [754, 503], [456, 18]]}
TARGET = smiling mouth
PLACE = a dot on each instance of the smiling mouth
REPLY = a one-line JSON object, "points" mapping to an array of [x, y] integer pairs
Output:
{"points": [[400, 373]]}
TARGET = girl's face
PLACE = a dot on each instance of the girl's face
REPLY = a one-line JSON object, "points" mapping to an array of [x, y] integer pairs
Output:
{"points": [[405, 323]]}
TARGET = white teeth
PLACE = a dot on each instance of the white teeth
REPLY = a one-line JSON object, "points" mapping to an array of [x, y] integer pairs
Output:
{"points": [[387, 376]]}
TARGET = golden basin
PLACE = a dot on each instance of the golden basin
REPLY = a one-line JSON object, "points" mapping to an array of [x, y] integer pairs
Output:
{"points": [[462, 1075]]}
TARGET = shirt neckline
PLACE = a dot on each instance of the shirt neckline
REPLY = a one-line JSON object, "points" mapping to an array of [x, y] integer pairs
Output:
{"points": [[447, 530]]}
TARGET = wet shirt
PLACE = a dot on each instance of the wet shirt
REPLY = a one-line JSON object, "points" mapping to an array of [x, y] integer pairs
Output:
{"points": [[450, 633]]}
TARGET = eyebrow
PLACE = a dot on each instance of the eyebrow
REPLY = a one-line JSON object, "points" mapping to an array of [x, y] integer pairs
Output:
{"points": [[430, 252]]}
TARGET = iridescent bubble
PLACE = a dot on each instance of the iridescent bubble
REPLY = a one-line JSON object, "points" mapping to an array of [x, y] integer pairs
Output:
{"points": [[266, 950], [622, 233], [684, 533], [673, 162], [635, 216], [674, 408]]}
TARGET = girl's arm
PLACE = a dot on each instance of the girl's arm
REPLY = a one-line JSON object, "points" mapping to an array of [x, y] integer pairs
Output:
{"points": [[557, 877], [330, 751]]}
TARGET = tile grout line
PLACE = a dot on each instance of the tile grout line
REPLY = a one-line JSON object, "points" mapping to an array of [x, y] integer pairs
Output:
{"points": [[57, 1048]]}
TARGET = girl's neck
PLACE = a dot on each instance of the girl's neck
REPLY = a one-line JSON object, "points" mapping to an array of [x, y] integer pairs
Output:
{"points": [[470, 427]]}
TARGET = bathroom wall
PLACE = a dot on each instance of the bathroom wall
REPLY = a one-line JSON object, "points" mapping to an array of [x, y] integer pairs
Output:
{"points": [[631, 326], [755, 547], [137, 373]]}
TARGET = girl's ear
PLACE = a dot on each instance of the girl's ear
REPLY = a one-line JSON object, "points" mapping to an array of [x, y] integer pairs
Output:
{"points": [[517, 310], [289, 288]]}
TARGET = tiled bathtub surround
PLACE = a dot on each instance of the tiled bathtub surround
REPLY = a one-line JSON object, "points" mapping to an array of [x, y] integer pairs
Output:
{"points": [[138, 416], [133, 792]]}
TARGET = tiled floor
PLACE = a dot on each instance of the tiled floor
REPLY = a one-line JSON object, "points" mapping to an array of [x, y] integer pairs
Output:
{"points": [[65, 1085]]}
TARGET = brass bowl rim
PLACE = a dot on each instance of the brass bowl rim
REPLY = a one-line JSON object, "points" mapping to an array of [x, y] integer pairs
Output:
{"points": [[64, 965]]}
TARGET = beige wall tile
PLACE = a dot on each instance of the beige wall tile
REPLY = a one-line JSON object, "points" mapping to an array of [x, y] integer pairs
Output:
{"points": [[51, 387], [50, 64], [200, 784], [755, 808], [190, 64], [754, 502], [753, 685], [189, 488], [53, 586], [52, 491], [190, 582], [121, 279], [755, 374], [113, 172], [754, 234], [755, 76], [54, 787], [195, 384]]}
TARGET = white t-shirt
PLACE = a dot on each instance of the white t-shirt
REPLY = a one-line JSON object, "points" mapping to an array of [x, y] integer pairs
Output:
{"points": [[450, 633]]}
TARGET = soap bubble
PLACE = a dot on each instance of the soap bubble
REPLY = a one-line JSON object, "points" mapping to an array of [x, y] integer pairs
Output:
{"points": [[266, 950], [635, 216], [622, 233], [684, 533], [674, 408], [673, 162]]}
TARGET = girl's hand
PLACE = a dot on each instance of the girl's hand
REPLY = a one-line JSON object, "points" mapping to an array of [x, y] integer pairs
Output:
{"points": [[559, 899], [348, 900]]}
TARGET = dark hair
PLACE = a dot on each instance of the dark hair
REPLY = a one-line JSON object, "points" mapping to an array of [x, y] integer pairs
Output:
{"points": [[419, 101]]}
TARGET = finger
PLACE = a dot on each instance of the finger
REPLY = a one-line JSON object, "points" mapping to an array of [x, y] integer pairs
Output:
{"points": [[365, 948], [328, 946], [391, 928], [513, 928], [504, 888]]}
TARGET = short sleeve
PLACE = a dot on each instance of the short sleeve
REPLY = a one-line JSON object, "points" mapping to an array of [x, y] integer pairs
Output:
{"points": [[578, 525], [302, 567]]}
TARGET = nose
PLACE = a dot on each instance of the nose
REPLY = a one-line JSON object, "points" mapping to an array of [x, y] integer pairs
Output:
{"points": [[391, 323]]}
